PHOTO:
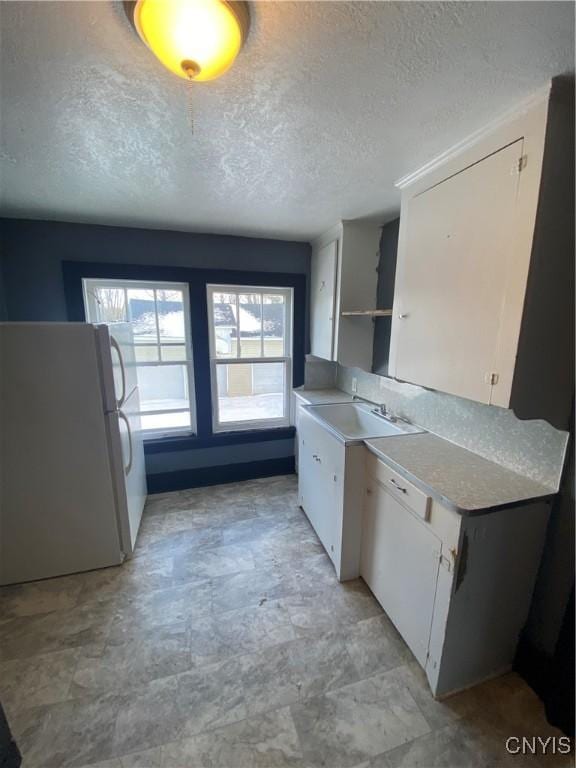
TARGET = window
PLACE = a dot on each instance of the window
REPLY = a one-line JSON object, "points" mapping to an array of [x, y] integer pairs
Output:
{"points": [[160, 318], [250, 356]]}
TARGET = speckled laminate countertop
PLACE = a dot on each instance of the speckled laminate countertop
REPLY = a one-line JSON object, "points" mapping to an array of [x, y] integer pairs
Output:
{"points": [[319, 396], [457, 478], [454, 476]]}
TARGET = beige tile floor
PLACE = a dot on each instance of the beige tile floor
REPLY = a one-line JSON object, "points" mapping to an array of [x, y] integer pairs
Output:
{"points": [[227, 642]]}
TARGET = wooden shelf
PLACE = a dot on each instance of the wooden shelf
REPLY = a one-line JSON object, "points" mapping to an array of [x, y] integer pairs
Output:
{"points": [[368, 313]]}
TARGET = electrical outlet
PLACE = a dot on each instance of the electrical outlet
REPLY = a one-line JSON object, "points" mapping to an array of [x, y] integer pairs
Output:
{"points": [[354, 384]]}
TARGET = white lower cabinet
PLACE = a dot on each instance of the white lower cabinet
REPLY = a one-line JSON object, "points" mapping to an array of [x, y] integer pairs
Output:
{"points": [[399, 562], [330, 491], [457, 587], [319, 488]]}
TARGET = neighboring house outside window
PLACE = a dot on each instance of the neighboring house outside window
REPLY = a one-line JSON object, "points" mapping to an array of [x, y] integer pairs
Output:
{"points": [[160, 316], [250, 356]]}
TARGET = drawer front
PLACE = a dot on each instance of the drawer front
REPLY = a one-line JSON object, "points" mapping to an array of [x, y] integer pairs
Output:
{"points": [[399, 487]]}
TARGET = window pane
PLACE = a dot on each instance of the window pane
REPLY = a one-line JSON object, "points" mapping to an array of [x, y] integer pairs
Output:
{"points": [[146, 353], [176, 420], [225, 324], [250, 391], [170, 315], [111, 303], [250, 311], [174, 352], [274, 316], [163, 387], [159, 337], [142, 315]]}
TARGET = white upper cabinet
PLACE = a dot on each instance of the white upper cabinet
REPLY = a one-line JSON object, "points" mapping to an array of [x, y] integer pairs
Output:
{"points": [[456, 257], [344, 279], [482, 305], [323, 296]]}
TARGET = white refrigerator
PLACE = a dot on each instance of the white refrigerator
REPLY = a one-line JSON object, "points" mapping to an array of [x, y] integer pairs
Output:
{"points": [[72, 475]]}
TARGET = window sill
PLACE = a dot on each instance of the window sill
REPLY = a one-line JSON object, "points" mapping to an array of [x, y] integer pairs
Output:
{"points": [[234, 428], [192, 442], [152, 435]]}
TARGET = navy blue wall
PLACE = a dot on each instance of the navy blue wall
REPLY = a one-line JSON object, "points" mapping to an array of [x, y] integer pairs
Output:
{"points": [[33, 254], [34, 251]]}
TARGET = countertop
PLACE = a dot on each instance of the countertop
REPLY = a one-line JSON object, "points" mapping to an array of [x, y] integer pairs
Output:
{"points": [[457, 478], [319, 396]]}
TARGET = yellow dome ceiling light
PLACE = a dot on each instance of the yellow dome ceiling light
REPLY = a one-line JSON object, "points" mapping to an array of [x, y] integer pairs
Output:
{"points": [[197, 40]]}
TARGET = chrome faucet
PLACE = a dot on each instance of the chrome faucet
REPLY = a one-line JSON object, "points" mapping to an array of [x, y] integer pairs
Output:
{"points": [[382, 410]]}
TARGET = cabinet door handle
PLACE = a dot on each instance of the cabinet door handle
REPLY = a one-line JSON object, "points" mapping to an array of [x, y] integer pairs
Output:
{"points": [[399, 487], [403, 316]]}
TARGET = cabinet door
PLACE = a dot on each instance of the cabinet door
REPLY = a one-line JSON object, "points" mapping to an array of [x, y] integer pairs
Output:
{"points": [[320, 463], [322, 300], [453, 269], [308, 476], [317, 494], [399, 561]]}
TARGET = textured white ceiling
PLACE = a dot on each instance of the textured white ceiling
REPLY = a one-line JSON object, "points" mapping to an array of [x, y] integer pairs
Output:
{"points": [[327, 105]]}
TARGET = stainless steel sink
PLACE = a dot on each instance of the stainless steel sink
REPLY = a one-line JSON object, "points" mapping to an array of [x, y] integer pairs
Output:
{"points": [[359, 421]]}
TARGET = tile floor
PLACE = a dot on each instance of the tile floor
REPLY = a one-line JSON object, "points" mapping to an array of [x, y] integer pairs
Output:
{"points": [[227, 642]]}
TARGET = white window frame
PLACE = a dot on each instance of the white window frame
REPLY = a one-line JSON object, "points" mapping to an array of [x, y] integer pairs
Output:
{"points": [[89, 284], [286, 359]]}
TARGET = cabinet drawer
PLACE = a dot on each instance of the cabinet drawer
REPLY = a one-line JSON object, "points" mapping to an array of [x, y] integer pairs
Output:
{"points": [[399, 487]]}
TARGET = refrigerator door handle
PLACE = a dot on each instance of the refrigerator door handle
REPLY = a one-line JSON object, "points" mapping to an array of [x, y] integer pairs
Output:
{"points": [[128, 466], [114, 343]]}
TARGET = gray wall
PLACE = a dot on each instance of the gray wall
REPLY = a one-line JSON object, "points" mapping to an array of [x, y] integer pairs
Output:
{"points": [[31, 275], [385, 296]]}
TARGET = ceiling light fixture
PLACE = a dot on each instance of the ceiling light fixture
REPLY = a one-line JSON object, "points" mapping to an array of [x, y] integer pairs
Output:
{"points": [[197, 40]]}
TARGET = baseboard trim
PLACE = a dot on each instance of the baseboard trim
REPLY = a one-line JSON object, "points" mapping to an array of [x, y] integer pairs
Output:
{"points": [[163, 482]]}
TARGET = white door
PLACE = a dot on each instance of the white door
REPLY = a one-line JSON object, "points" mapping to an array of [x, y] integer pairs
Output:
{"points": [[117, 363], [399, 561], [134, 464], [123, 360], [318, 496], [452, 275], [124, 429], [128, 469], [323, 297], [321, 459]]}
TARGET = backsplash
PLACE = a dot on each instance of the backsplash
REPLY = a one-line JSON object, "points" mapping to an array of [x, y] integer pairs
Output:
{"points": [[532, 448], [319, 374]]}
